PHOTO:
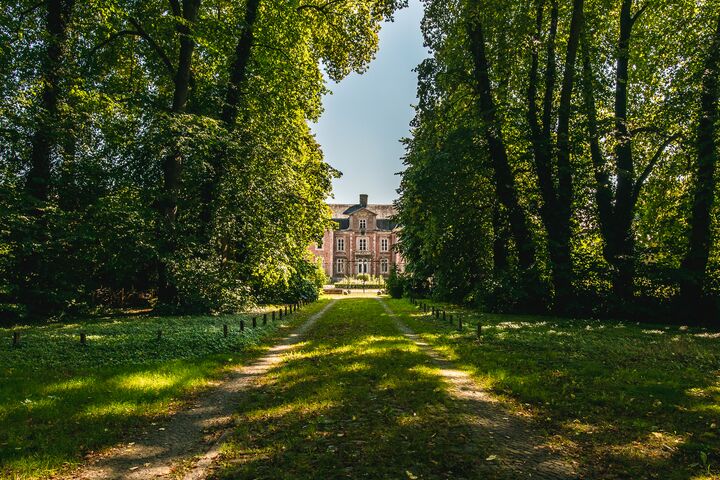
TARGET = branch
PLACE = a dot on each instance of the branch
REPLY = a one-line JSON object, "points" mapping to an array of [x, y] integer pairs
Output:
{"points": [[651, 164], [634, 18], [319, 8], [158, 49], [110, 40]]}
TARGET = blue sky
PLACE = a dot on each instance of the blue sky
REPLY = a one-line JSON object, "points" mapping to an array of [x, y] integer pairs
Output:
{"points": [[367, 115]]}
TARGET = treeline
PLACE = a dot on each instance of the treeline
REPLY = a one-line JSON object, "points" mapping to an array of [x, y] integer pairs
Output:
{"points": [[161, 150], [564, 157]]}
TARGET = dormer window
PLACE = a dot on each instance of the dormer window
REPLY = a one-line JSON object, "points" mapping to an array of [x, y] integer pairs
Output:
{"points": [[363, 224]]}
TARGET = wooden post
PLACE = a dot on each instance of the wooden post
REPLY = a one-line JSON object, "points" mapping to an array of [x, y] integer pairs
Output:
{"points": [[254, 322], [459, 324], [225, 330], [479, 332], [16, 339], [286, 310], [273, 315], [242, 325], [159, 335], [437, 314], [451, 318], [444, 315], [264, 318], [83, 339]]}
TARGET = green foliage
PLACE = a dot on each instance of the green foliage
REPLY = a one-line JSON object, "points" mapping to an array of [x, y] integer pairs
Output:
{"points": [[234, 226]]}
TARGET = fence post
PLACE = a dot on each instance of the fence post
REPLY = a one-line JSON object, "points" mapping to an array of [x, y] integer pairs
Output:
{"points": [[242, 325], [459, 324], [225, 330], [437, 314], [254, 322], [159, 335], [16, 339], [286, 310], [479, 331], [83, 339], [273, 315], [444, 315], [264, 319]]}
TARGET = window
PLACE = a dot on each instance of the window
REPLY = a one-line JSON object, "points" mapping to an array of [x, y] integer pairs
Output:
{"points": [[384, 244], [340, 244], [384, 265], [340, 265], [363, 224], [362, 244], [362, 266]]}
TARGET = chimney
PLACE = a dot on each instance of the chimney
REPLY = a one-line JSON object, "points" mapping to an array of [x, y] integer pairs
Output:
{"points": [[363, 199]]}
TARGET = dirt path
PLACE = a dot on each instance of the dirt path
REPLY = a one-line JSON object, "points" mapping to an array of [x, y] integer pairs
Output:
{"points": [[198, 430], [518, 447]]}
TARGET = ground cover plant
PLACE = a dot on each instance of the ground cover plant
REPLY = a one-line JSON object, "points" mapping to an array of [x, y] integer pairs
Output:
{"points": [[356, 400], [637, 401], [60, 400]]}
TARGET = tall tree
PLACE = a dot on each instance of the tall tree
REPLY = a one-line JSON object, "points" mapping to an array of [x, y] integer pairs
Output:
{"points": [[504, 180], [616, 206], [700, 241], [557, 195]]}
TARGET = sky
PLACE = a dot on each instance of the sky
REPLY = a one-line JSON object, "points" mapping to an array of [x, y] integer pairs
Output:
{"points": [[366, 115]]}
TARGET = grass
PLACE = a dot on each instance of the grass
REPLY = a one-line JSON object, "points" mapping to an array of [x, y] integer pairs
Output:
{"points": [[355, 400], [636, 401], [60, 400]]}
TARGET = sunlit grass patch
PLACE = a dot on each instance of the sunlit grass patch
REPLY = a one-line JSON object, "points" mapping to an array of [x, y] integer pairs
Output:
{"points": [[60, 400]]}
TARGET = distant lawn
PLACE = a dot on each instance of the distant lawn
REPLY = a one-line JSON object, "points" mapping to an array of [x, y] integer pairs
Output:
{"points": [[60, 400], [637, 401]]}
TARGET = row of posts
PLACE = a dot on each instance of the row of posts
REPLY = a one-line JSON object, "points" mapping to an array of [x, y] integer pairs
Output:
{"points": [[284, 311], [437, 313]]}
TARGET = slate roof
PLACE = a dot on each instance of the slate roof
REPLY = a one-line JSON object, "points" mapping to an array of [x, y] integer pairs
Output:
{"points": [[341, 214]]}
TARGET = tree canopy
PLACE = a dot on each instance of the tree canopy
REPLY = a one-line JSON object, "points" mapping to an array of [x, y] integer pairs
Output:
{"points": [[563, 157]]}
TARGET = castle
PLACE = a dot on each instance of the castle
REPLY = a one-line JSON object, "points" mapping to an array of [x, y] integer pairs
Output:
{"points": [[364, 241]]}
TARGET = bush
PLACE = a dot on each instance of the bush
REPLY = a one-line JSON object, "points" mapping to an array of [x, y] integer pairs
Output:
{"points": [[396, 283], [209, 285]]}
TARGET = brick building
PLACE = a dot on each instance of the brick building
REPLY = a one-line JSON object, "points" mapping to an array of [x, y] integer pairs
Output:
{"points": [[363, 242]]}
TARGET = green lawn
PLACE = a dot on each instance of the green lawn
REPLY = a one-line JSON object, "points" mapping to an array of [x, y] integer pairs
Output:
{"points": [[356, 400], [635, 401], [60, 400]]}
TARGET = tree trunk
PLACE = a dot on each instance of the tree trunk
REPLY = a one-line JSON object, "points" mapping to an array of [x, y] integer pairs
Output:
{"points": [[172, 163], [700, 241], [33, 284], [237, 78], [46, 135], [621, 243], [504, 180]]}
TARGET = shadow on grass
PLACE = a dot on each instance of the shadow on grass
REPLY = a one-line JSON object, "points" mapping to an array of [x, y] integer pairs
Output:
{"points": [[358, 400], [639, 401]]}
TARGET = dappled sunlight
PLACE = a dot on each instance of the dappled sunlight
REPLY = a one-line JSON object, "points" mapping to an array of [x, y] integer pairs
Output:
{"points": [[298, 410], [118, 408], [645, 397], [148, 381]]}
